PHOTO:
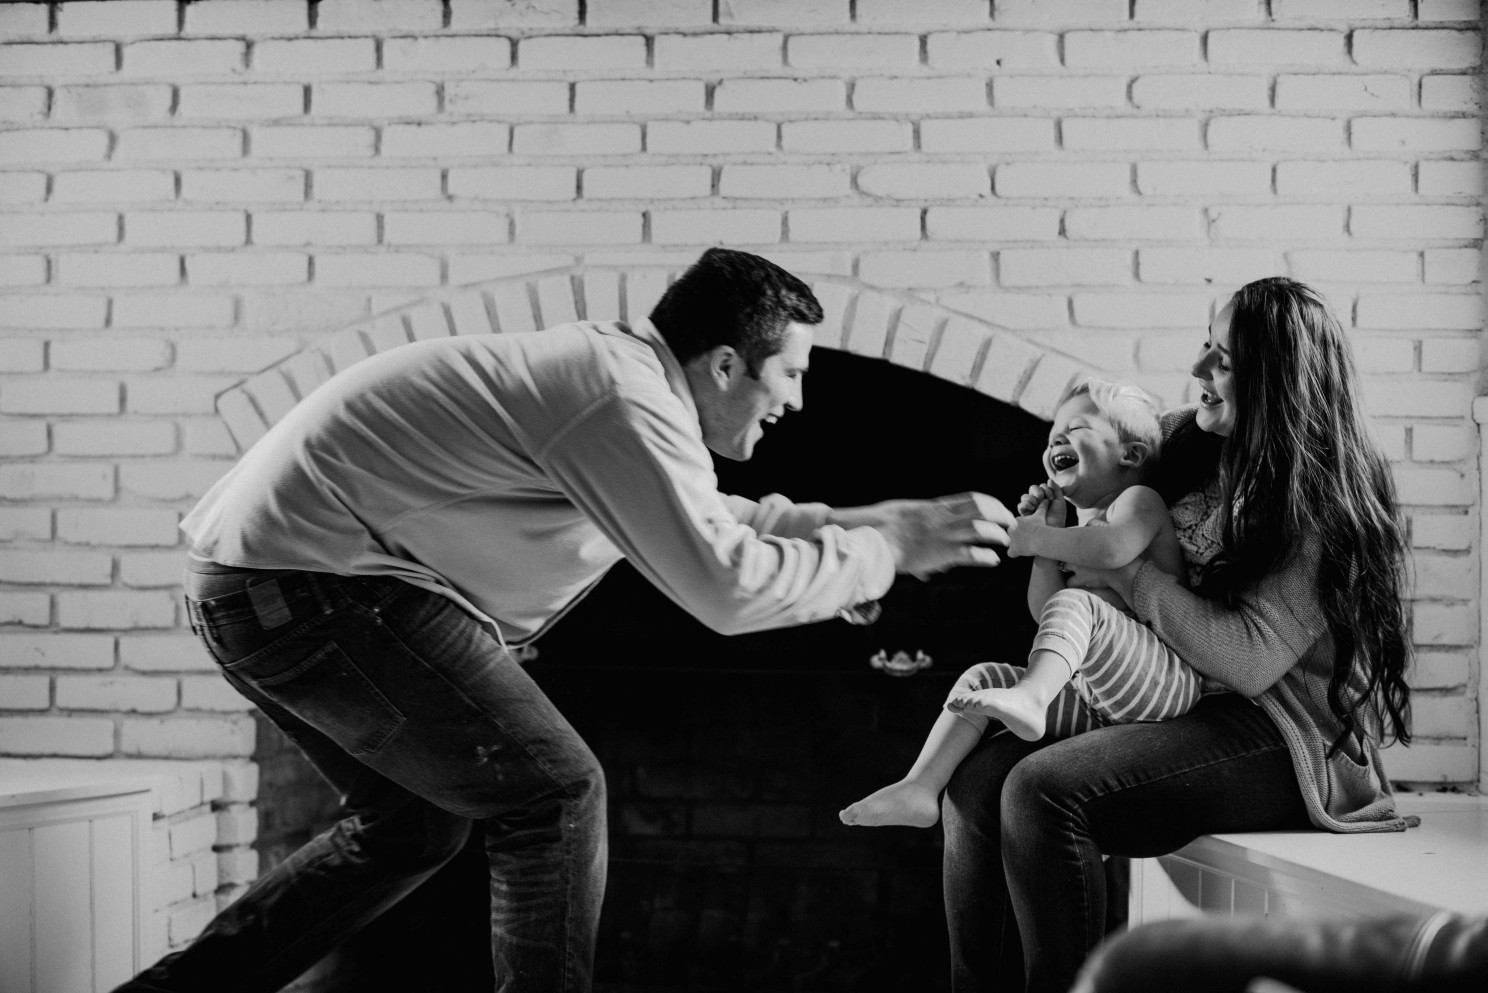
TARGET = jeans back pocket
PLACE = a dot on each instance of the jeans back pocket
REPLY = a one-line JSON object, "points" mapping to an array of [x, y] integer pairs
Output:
{"points": [[327, 690]]}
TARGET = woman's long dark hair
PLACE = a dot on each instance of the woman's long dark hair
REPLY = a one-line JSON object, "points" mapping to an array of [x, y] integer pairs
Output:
{"points": [[1302, 464]]}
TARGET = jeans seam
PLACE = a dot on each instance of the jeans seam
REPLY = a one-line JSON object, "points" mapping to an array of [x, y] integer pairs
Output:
{"points": [[1083, 798], [568, 791], [568, 904], [325, 924]]}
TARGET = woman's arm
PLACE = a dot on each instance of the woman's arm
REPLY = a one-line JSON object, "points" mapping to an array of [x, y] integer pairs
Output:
{"points": [[1247, 648], [1134, 518]]}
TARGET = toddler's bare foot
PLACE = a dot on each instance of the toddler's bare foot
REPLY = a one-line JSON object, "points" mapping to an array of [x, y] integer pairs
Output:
{"points": [[1019, 712], [906, 803]]}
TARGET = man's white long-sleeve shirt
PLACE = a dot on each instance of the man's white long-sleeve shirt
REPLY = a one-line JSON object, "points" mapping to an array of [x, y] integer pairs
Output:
{"points": [[509, 472]]}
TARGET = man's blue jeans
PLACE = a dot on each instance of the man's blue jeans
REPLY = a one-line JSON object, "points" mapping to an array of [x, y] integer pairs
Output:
{"points": [[1026, 824], [425, 726]]}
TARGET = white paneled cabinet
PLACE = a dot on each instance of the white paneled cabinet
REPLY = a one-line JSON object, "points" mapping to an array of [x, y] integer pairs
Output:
{"points": [[71, 860]]}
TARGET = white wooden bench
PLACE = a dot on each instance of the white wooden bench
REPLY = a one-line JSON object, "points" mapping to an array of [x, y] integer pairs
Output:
{"points": [[1440, 865]]}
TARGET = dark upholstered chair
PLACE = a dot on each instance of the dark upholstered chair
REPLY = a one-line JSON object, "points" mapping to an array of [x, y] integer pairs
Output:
{"points": [[1438, 953]]}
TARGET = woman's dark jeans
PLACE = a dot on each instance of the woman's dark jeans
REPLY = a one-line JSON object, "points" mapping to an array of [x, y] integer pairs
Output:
{"points": [[424, 725], [1026, 824]]}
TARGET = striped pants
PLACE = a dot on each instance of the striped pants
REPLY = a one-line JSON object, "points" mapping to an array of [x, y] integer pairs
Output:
{"points": [[1123, 673]]}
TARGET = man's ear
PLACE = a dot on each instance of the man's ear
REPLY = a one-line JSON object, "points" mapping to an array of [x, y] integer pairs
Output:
{"points": [[722, 364], [1135, 454]]}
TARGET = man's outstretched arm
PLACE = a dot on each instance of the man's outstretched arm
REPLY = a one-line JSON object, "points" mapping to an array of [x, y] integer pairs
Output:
{"points": [[929, 536]]}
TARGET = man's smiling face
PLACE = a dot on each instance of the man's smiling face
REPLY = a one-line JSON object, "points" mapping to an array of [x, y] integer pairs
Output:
{"points": [[734, 415]]}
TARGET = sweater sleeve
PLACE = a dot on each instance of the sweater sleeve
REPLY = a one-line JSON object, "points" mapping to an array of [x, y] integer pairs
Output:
{"points": [[1247, 648]]}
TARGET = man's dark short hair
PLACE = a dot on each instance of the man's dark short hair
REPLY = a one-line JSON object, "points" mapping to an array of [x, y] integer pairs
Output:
{"points": [[736, 299]]}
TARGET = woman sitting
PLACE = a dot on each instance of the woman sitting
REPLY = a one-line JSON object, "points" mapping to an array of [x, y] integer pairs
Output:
{"points": [[1297, 624]]}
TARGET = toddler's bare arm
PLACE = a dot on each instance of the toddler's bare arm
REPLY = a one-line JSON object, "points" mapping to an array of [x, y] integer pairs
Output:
{"points": [[1134, 519], [1046, 502]]}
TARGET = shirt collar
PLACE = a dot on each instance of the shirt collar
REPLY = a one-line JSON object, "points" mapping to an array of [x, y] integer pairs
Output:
{"points": [[676, 378]]}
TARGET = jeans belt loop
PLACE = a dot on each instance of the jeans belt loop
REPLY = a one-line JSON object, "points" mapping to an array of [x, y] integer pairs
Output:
{"points": [[201, 623], [321, 598]]}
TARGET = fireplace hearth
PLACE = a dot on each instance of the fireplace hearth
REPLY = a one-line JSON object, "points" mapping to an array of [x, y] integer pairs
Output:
{"points": [[728, 758]]}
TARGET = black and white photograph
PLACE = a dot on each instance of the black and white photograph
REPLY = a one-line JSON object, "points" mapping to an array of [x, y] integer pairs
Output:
{"points": [[743, 496]]}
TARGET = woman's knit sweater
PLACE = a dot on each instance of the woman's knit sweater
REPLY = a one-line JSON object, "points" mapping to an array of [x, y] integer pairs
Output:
{"points": [[1275, 648]]}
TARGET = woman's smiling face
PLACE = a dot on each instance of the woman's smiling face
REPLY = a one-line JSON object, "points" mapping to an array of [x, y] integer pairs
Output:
{"points": [[1217, 402]]}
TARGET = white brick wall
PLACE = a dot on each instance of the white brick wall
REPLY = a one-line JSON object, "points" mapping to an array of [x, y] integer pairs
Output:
{"points": [[189, 193]]}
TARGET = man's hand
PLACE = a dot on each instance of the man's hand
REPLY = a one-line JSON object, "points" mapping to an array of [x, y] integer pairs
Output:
{"points": [[928, 536]]}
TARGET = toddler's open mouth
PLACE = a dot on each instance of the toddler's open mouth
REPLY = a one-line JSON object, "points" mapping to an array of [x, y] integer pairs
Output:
{"points": [[1061, 461]]}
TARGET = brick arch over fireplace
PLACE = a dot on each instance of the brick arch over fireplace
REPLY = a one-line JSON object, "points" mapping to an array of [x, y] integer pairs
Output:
{"points": [[860, 319]]}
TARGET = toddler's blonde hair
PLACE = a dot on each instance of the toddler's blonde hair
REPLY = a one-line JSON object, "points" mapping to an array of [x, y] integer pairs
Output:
{"points": [[1130, 409]]}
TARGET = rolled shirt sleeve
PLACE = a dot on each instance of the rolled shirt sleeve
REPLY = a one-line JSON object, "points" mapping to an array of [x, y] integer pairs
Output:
{"points": [[777, 515]]}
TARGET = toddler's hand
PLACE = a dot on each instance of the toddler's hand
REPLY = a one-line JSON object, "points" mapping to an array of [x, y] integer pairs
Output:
{"points": [[1055, 510], [1037, 494]]}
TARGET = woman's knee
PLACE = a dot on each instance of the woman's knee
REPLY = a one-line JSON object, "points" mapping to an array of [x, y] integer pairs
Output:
{"points": [[1037, 789], [973, 791]]}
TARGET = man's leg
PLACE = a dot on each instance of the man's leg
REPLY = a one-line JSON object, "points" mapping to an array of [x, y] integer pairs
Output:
{"points": [[417, 692], [386, 843], [481, 740]]}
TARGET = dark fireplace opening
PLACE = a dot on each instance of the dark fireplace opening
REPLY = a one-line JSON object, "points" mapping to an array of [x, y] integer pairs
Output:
{"points": [[727, 758], [869, 431]]}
